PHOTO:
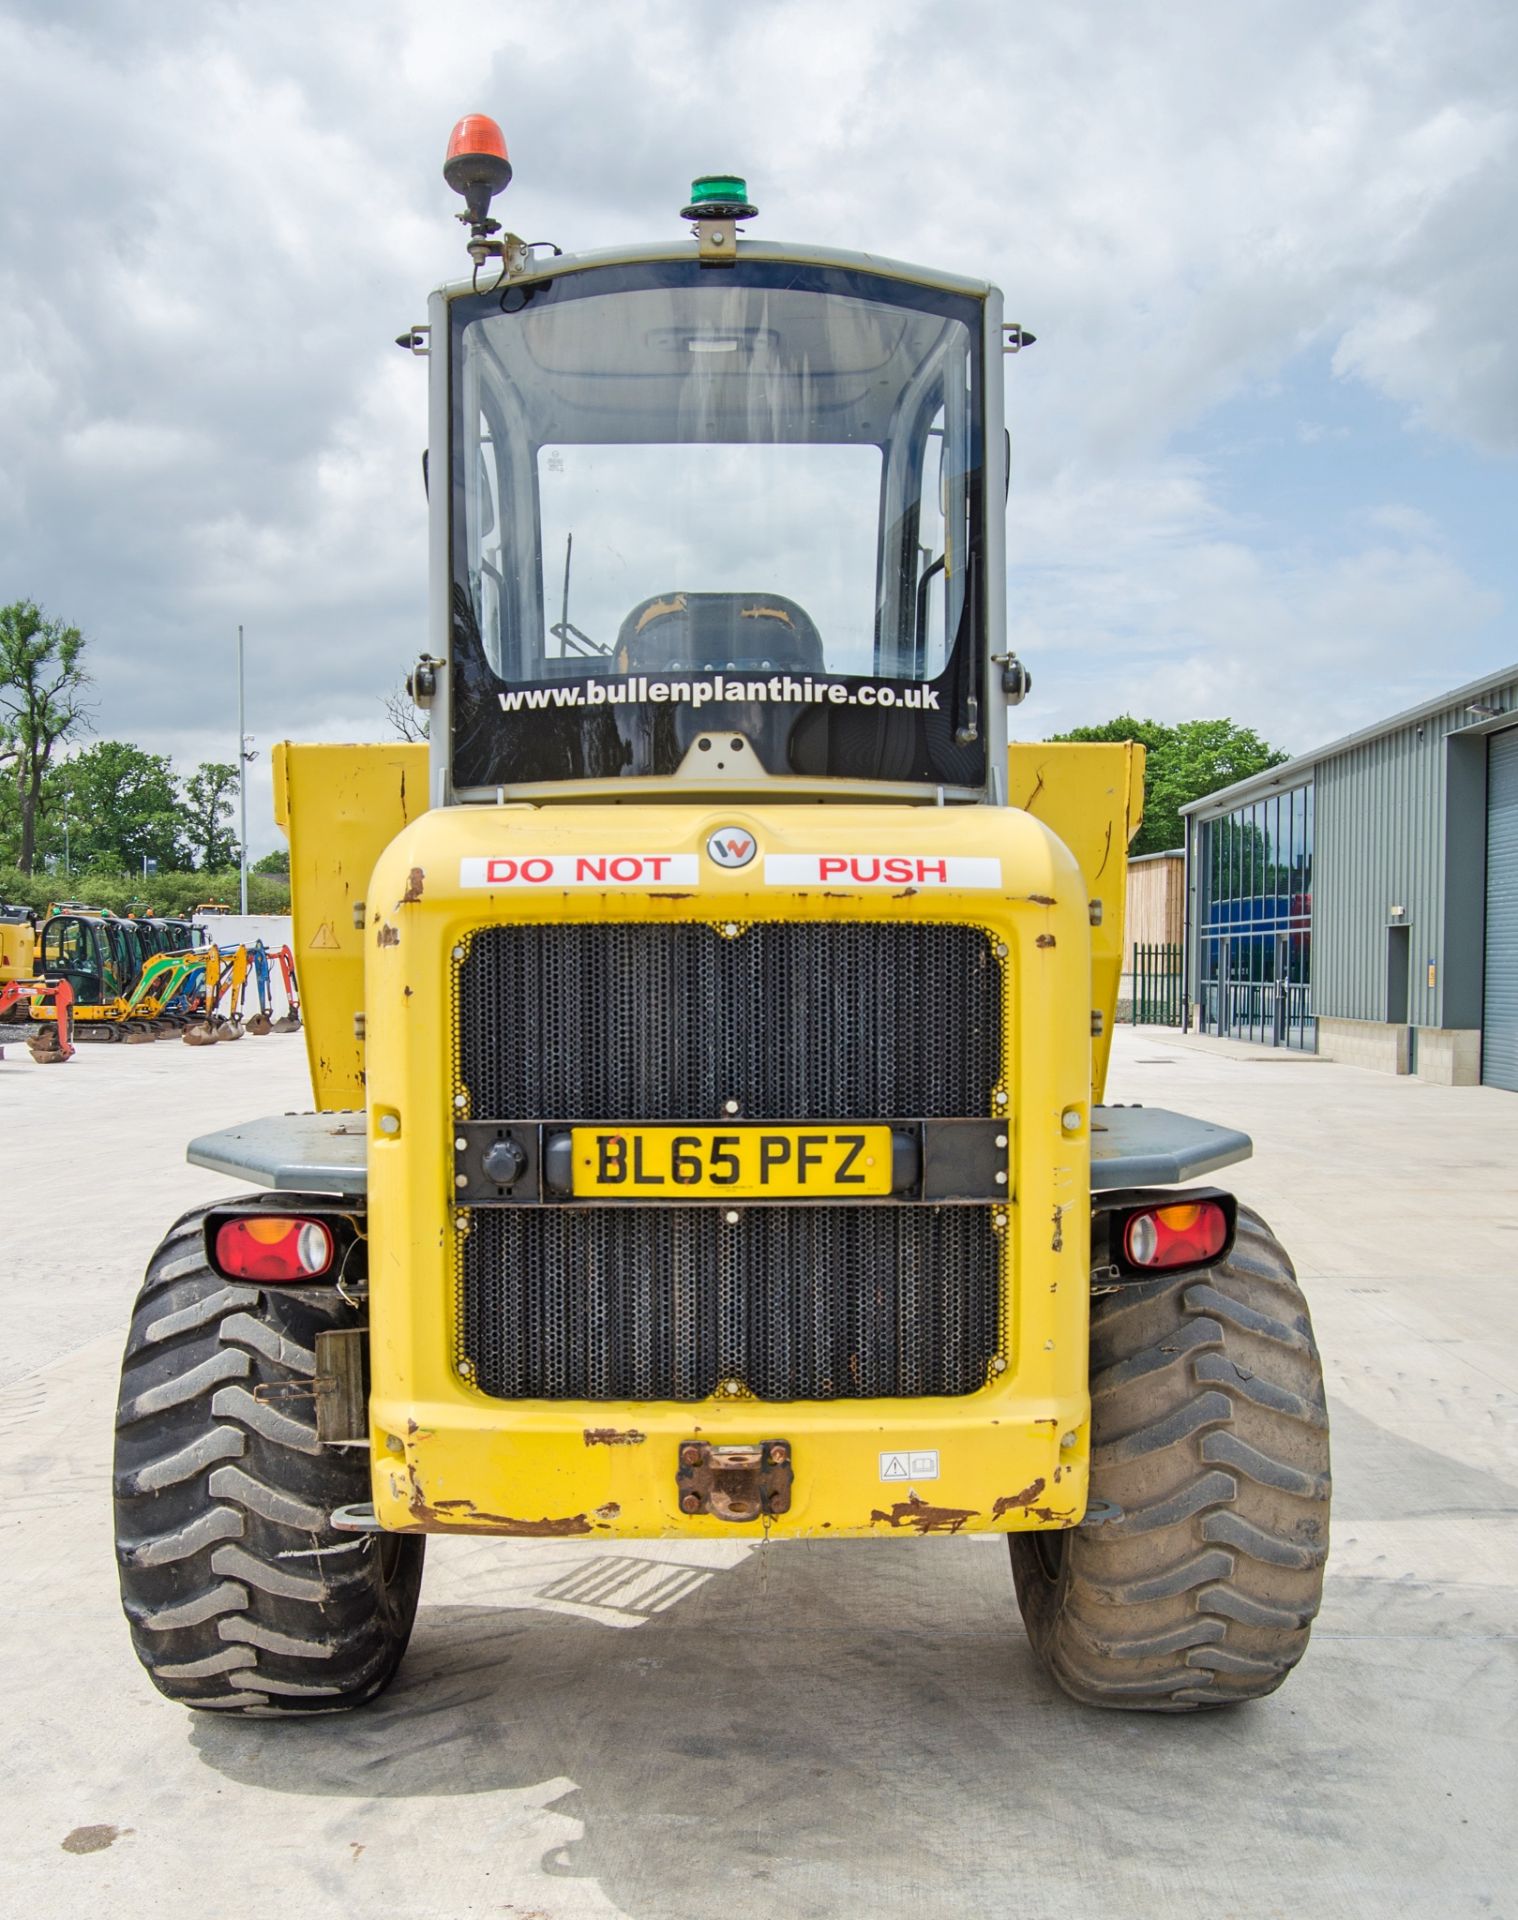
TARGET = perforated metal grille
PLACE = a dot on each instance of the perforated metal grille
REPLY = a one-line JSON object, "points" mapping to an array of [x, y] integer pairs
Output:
{"points": [[881, 1020], [793, 1021], [810, 1303]]}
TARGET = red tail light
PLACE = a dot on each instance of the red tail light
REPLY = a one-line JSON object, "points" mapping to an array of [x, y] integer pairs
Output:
{"points": [[1188, 1235], [273, 1246]]}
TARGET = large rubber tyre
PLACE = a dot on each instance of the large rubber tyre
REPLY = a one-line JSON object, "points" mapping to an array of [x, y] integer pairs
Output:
{"points": [[1210, 1438], [240, 1595]]}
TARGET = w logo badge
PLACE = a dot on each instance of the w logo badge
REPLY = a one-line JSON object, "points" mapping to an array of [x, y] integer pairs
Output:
{"points": [[731, 847]]}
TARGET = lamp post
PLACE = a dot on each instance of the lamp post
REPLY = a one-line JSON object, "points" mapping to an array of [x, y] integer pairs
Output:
{"points": [[243, 757]]}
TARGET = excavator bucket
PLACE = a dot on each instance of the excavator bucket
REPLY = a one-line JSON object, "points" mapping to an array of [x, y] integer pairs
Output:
{"points": [[51, 1045], [260, 1023], [289, 1021]]}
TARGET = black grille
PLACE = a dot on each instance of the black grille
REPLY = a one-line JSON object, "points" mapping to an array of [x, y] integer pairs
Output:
{"points": [[844, 1022], [796, 1022], [810, 1303]]}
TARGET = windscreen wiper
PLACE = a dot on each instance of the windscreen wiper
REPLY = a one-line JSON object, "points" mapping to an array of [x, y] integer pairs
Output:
{"points": [[568, 635]]}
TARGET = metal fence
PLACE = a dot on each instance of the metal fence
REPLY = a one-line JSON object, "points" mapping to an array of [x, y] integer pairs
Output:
{"points": [[1157, 986], [1272, 1013]]}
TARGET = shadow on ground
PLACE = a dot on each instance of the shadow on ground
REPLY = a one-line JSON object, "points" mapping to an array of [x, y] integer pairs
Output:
{"points": [[821, 1729], [834, 1727]]}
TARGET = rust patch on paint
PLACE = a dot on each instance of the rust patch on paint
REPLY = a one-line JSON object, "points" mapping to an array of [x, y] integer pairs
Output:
{"points": [[922, 1518], [1018, 1502], [1044, 940], [1041, 899], [1057, 1244], [463, 1516], [388, 936], [415, 881], [614, 1437]]}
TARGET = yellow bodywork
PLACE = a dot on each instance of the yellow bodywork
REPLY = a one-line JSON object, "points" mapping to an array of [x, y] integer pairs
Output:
{"points": [[339, 806], [1092, 794], [18, 950], [447, 1457]]}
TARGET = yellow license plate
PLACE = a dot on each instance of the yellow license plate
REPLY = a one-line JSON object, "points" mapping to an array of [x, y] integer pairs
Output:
{"points": [[732, 1163]]}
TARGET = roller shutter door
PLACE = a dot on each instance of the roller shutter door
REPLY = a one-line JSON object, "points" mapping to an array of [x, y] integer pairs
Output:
{"points": [[1499, 1023]]}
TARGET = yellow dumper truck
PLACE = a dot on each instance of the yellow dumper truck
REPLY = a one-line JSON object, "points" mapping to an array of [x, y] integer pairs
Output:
{"points": [[708, 1030]]}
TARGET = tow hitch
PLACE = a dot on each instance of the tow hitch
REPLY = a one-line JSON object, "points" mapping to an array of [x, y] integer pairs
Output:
{"points": [[735, 1483]]}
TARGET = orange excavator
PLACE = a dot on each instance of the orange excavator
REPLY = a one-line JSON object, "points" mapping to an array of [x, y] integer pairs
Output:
{"points": [[47, 1044]]}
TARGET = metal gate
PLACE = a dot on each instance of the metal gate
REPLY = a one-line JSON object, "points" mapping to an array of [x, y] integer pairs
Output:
{"points": [[1157, 986], [1499, 1019]]}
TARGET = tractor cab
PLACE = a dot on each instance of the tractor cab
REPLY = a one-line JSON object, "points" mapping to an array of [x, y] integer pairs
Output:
{"points": [[167, 935], [98, 954], [718, 517]]}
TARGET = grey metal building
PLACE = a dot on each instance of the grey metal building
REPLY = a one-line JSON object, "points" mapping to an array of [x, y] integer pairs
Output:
{"points": [[1362, 901]]}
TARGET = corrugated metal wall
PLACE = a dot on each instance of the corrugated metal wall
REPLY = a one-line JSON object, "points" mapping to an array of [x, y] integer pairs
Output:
{"points": [[1499, 1036], [1381, 843]]}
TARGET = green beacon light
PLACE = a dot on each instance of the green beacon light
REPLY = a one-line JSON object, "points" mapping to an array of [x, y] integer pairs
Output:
{"points": [[719, 196]]}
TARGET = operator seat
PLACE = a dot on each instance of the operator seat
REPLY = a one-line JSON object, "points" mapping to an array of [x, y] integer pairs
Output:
{"points": [[694, 632]]}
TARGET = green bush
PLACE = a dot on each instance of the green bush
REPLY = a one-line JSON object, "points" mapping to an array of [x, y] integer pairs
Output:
{"points": [[173, 894]]}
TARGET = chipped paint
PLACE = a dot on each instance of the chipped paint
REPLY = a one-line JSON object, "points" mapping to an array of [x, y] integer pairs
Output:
{"points": [[1044, 940], [463, 1516], [388, 936], [1041, 899], [1023, 1503], [915, 1512], [614, 1437], [415, 881], [1057, 1244]]}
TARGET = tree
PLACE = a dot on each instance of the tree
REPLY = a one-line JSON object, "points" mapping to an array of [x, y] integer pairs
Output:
{"points": [[207, 809], [409, 720], [276, 862], [1185, 762], [41, 704], [123, 807]]}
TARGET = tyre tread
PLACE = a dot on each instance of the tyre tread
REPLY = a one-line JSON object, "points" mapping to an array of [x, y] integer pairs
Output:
{"points": [[1210, 1439], [240, 1596]]}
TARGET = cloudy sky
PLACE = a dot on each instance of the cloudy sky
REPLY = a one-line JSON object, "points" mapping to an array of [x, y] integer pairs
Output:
{"points": [[1265, 451]]}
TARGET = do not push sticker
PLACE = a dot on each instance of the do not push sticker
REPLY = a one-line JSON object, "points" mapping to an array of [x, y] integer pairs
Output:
{"points": [[579, 870]]}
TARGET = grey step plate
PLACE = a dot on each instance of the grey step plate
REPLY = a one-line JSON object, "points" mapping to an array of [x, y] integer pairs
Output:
{"points": [[1152, 1147], [291, 1152]]}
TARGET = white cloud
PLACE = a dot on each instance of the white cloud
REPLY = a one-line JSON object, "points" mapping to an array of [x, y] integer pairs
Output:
{"points": [[202, 418]]}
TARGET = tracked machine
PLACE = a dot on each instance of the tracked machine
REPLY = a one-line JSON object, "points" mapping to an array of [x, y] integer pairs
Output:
{"points": [[708, 1033]]}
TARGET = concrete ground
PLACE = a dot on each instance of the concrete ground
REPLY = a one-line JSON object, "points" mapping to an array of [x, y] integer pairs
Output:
{"points": [[678, 1733]]}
